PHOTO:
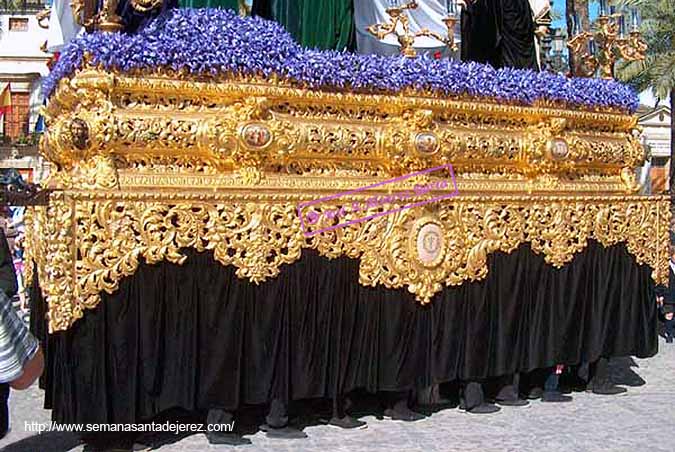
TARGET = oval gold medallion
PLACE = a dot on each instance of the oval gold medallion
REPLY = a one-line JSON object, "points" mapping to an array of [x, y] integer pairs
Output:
{"points": [[429, 243], [256, 135], [426, 143], [558, 148]]}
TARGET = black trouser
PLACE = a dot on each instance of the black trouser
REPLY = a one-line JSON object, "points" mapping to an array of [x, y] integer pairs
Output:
{"points": [[473, 394], [4, 409], [535, 379], [552, 382], [669, 328], [278, 414], [508, 388]]}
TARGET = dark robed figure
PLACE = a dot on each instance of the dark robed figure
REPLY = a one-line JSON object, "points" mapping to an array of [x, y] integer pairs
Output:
{"points": [[500, 33]]}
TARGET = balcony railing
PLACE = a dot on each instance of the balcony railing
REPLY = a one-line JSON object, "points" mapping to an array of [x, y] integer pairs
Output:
{"points": [[21, 6], [30, 139]]}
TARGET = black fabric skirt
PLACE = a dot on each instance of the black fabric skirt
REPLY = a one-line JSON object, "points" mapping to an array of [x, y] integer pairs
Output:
{"points": [[197, 337]]}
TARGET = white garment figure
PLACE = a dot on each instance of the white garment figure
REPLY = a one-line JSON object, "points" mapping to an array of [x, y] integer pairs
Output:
{"points": [[429, 14], [62, 26], [540, 8], [541, 15]]}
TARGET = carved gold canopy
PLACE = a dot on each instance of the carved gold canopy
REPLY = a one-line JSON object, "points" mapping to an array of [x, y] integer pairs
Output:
{"points": [[149, 164]]}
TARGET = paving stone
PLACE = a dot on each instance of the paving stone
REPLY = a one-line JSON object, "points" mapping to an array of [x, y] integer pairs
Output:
{"points": [[640, 420]]}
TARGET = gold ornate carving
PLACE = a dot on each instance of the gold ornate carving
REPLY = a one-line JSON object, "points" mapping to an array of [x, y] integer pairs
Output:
{"points": [[144, 6], [151, 163], [299, 131], [91, 241]]}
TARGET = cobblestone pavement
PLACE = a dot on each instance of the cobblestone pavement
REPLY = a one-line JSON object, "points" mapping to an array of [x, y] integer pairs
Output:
{"points": [[641, 420]]}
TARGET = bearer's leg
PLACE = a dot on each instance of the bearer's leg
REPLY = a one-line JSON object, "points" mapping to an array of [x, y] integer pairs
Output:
{"points": [[509, 392], [399, 407], [601, 383], [473, 399], [277, 422], [340, 417], [220, 429]]}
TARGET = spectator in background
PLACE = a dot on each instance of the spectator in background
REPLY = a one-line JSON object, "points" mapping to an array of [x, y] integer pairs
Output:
{"points": [[17, 257], [665, 299], [667, 316], [666, 295], [21, 360]]}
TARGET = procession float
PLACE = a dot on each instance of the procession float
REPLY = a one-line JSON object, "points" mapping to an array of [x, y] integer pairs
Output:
{"points": [[173, 266]]}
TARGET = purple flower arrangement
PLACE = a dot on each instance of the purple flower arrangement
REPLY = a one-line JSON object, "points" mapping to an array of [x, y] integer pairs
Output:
{"points": [[213, 42]]}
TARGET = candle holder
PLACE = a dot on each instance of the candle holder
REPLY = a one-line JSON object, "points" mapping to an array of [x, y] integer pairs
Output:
{"points": [[599, 50], [43, 17], [108, 20], [406, 39]]}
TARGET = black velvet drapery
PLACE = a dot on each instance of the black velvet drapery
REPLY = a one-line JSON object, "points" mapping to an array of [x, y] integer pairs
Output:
{"points": [[195, 336], [499, 33]]}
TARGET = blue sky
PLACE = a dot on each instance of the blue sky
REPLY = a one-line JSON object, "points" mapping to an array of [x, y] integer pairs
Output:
{"points": [[559, 8]]}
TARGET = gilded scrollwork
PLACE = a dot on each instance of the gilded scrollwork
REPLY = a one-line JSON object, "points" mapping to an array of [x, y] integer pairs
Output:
{"points": [[112, 234], [144, 6], [167, 114], [149, 164]]}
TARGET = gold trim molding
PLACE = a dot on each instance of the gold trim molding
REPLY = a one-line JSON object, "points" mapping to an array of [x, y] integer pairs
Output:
{"points": [[269, 126]]}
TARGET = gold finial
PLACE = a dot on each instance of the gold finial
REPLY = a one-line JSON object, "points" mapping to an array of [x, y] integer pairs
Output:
{"points": [[598, 50]]}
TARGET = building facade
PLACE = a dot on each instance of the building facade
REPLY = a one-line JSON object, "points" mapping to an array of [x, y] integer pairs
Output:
{"points": [[655, 119], [22, 66]]}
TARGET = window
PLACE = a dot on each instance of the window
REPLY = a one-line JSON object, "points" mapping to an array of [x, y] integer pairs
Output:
{"points": [[18, 24], [16, 121]]}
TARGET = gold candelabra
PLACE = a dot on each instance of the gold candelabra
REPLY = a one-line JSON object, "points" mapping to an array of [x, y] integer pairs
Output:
{"points": [[599, 49], [106, 19], [407, 39]]}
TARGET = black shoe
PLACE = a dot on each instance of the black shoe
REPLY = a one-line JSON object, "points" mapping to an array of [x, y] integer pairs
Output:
{"points": [[535, 393], [669, 340], [555, 396], [484, 408], [515, 402], [230, 439], [609, 390], [405, 414], [346, 422], [569, 389], [283, 432]]}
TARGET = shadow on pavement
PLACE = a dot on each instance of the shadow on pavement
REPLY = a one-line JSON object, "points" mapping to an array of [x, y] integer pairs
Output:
{"points": [[621, 372], [48, 441]]}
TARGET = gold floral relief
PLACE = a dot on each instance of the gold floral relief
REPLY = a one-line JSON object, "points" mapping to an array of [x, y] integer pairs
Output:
{"points": [[151, 164], [88, 243], [266, 124]]}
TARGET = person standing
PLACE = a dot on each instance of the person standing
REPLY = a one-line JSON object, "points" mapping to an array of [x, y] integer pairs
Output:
{"points": [[21, 360], [667, 316], [502, 33]]}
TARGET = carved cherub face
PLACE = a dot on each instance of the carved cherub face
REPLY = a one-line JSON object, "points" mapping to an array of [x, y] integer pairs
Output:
{"points": [[80, 133]]}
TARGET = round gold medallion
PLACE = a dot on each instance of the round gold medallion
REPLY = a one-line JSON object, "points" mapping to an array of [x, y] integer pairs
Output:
{"points": [[558, 148], [256, 135], [426, 143]]}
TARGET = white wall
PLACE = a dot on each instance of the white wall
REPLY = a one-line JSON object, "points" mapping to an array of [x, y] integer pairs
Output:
{"points": [[22, 63], [20, 50], [21, 43]]}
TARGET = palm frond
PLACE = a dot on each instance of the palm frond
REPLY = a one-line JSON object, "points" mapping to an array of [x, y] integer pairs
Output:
{"points": [[658, 28]]}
